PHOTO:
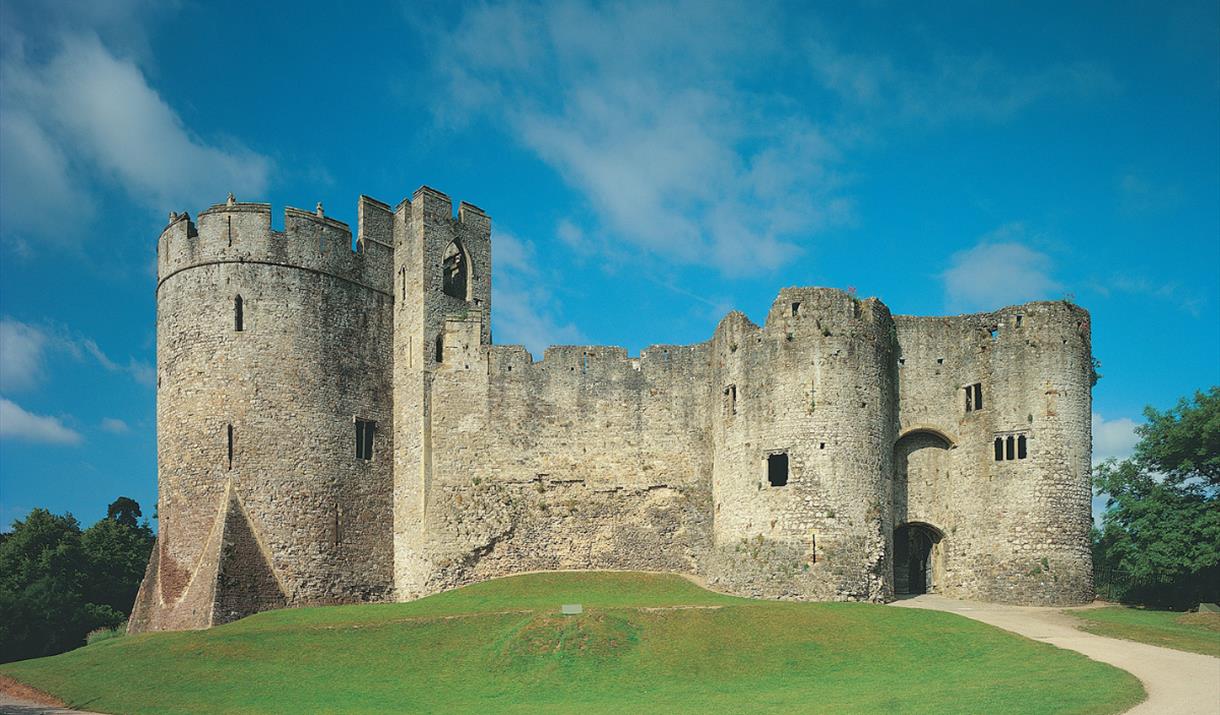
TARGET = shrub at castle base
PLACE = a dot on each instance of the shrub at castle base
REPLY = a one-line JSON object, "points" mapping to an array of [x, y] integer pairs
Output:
{"points": [[335, 425]]}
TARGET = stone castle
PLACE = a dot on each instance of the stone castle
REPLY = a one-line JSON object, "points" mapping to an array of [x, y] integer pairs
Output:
{"points": [[336, 426]]}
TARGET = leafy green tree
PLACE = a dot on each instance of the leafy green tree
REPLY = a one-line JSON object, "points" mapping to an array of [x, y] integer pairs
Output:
{"points": [[1161, 528], [117, 552], [125, 511], [57, 584], [41, 569], [1183, 444]]}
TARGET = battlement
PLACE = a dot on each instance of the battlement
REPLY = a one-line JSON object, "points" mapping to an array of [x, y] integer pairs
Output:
{"points": [[1053, 321], [599, 361], [240, 232]]}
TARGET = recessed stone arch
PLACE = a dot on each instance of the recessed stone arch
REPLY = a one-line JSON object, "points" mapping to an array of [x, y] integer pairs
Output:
{"points": [[456, 271]]}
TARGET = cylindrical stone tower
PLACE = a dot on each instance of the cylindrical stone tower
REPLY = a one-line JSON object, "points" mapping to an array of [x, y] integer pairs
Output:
{"points": [[802, 444], [273, 414]]}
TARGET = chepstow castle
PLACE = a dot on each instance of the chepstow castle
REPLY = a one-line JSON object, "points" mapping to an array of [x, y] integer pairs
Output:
{"points": [[335, 425]]}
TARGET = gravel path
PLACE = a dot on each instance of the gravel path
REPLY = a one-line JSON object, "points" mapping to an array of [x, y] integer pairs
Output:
{"points": [[1177, 682]]}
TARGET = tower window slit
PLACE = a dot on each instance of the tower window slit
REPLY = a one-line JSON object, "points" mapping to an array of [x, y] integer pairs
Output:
{"points": [[239, 318], [364, 438], [440, 347], [230, 445]]}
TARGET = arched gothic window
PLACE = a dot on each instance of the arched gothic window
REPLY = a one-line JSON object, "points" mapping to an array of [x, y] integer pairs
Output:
{"points": [[455, 267]]}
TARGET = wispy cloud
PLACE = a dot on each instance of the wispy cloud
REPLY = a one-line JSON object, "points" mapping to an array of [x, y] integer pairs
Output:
{"points": [[1138, 194], [24, 349], [21, 348], [1113, 439], [1132, 283], [524, 306], [949, 86], [18, 424], [999, 270], [643, 108], [87, 115], [114, 425], [662, 116]]}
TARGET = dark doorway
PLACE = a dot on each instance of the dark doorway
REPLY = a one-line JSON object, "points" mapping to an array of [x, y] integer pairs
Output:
{"points": [[914, 546]]}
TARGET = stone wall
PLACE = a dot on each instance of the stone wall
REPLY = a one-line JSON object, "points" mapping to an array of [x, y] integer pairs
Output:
{"points": [[587, 459], [486, 462]]}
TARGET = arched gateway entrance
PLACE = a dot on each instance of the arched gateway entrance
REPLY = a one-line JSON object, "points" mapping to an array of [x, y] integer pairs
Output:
{"points": [[915, 551]]}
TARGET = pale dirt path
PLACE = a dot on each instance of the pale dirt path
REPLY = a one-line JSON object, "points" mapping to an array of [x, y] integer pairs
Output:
{"points": [[12, 705], [1177, 682]]}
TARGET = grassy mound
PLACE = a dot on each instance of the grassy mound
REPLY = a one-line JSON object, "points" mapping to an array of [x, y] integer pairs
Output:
{"points": [[645, 643], [1195, 632]]}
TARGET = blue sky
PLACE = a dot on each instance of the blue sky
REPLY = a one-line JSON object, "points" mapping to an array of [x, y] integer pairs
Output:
{"points": [[648, 167]]}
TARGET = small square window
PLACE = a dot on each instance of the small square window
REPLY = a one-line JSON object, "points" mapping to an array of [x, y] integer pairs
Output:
{"points": [[777, 469]]}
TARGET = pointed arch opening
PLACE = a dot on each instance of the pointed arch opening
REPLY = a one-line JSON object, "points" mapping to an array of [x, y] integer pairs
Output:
{"points": [[917, 558], [455, 269]]}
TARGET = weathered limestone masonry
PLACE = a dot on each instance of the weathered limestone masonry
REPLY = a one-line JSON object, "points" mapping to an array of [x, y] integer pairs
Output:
{"points": [[335, 426]]}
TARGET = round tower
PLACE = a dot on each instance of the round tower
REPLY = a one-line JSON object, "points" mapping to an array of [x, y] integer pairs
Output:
{"points": [[802, 443], [273, 414]]}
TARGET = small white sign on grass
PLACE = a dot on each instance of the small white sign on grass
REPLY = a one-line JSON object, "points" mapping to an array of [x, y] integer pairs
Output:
{"points": [[571, 609]]}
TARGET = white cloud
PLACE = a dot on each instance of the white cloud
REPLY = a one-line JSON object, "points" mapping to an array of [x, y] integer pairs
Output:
{"points": [[115, 425], [664, 115], [1113, 438], [24, 350], [87, 114], [524, 307], [17, 424], [642, 108], [21, 355], [998, 271]]}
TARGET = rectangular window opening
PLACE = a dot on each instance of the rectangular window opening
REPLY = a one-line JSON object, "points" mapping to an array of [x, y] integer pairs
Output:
{"points": [[364, 438], [1021, 447], [999, 449], [974, 397], [440, 347], [1010, 447], [796, 309], [777, 469], [730, 399], [238, 315], [230, 445]]}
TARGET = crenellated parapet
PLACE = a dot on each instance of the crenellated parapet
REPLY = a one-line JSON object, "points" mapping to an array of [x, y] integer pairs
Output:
{"points": [[241, 232]]}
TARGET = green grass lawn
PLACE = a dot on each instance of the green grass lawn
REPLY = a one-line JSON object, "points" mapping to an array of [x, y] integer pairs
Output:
{"points": [[1195, 632], [645, 643]]}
